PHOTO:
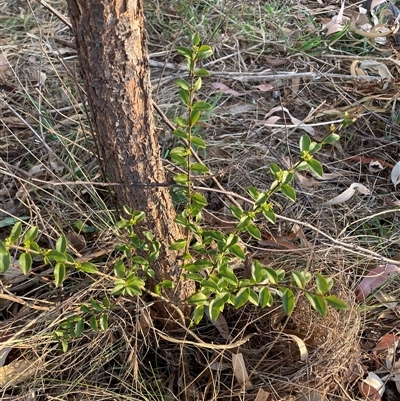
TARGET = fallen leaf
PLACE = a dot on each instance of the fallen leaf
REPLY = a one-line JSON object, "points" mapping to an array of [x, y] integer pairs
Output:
{"points": [[262, 395], [295, 121], [395, 175], [372, 387], [386, 342], [239, 370], [374, 65], [374, 279], [222, 326], [264, 87], [348, 193], [225, 89], [301, 344]]}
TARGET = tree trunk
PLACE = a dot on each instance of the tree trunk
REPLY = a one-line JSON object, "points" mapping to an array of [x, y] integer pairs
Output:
{"points": [[111, 43]]}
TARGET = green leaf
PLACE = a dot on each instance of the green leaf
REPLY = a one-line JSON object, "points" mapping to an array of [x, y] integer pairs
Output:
{"points": [[181, 220], [181, 178], [93, 323], [304, 143], [204, 52], [4, 261], [243, 222], [61, 244], [275, 169], [269, 214], [323, 284], [118, 289], [254, 192], [139, 260], [195, 39], [336, 302], [315, 147], [231, 240], [217, 304], [253, 231], [201, 72], [79, 327], [298, 279], [103, 322], [253, 297], [184, 97], [201, 106], [241, 297], [199, 199], [25, 262], [261, 198], [197, 299], [197, 84], [127, 209], [180, 121], [85, 309], [210, 285], [237, 251], [199, 168], [87, 267], [236, 211], [183, 84], [31, 234], [56, 255], [198, 142], [180, 134], [317, 302], [228, 276], [15, 233], [256, 271], [194, 117], [133, 290], [316, 167], [265, 298], [288, 301], [289, 192], [119, 269], [59, 273], [177, 245], [332, 138], [167, 284], [184, 51], [271, 275], [64, 345], [96, 305], [198, 314], [194, 276]]}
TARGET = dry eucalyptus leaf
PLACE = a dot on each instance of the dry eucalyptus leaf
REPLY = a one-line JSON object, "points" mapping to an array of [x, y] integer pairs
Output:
{"points": [[386, 342], [372, 387], [239, 370], [348, 193], [262, 395], [301, 344]]}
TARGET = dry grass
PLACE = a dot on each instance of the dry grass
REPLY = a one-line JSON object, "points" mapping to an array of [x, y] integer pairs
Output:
{"points": [[50, 176]]}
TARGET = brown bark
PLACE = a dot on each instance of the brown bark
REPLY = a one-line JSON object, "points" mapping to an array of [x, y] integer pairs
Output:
{"points": [[110, 38]]}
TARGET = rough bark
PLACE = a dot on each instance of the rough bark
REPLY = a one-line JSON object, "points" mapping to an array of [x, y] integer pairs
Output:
{"points": [[111, 43]]}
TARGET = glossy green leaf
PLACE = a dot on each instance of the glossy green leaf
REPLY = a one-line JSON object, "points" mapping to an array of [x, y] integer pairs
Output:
{"points": [[204, 52], [31, 234], [253, 231], [269, 214], [183, 84], [261, 198], [237, 251], [87, 267], [323, 284], [304, 143], [25, 262], [181, 178], [201, 106], [201, 72], [119, 268], [198, 314], [85, 309], [198, 142], [61, 244], [180, 121], [197, 84], [241, 298], [96, 305], [315, 147], [93, 324], [289, 192], [59, 273], [332, 138], [180, 134], [265, 298], [243, 222], [103, 322], [199, 168], [336, 302], [197, 299], [288, 301], [184, 51], [253, 297], [56, 256], [317, 302], [316, 167], [177, 245], [79, 327], [256, 271], [298, 279], [15, 233]]}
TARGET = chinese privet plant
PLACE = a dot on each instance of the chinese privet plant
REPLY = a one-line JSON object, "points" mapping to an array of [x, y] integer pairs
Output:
{"points": [[207, 256]]}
